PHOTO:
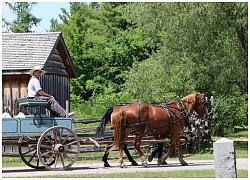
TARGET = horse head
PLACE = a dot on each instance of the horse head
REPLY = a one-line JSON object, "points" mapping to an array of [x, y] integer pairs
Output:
{"points": [[196, 102], [201, 105]]}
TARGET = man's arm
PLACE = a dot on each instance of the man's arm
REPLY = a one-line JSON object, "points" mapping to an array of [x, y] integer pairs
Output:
{"points": [[42, 93]]}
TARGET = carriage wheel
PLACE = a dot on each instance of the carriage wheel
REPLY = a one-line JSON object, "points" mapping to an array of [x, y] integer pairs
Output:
{"points": [[62, 146], [30, 158]]}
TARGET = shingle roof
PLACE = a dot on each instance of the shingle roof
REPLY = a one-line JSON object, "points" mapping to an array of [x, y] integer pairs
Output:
{"points": [[25, 50]]}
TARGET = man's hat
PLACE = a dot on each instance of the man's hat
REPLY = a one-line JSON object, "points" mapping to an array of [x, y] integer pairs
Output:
{"points": [[37, 68]]}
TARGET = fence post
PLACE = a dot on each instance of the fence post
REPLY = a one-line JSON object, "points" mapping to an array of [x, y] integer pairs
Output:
{"points": [[67, 108], [224, 158]]}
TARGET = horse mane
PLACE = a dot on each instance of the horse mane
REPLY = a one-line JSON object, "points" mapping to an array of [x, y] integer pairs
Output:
{"points": [[190, 101]]}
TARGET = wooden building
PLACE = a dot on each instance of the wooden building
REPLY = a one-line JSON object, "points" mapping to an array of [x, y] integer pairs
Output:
{"points": [[21, 52]]}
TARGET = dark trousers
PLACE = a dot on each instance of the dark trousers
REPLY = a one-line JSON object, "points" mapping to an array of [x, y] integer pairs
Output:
{"points": [[54, 107]]}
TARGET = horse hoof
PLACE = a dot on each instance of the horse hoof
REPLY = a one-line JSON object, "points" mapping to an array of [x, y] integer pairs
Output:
{"points": [[106, 165], [134, 164], [159, 162], [123, 166], [164, 163], [150, 158], [145, 164], [184, 164]]}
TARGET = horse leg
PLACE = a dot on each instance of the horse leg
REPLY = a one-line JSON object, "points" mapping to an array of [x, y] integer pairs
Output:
{"points": [[130, 158], [160, 149], [105, 157], [137, 142], [121, 147], [120, 158], [178, 142], [165, 156], [153, 153]]}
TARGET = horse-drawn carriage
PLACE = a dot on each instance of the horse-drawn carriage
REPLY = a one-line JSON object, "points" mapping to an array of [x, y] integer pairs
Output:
{"points": [[42, 141], [52, 143]]}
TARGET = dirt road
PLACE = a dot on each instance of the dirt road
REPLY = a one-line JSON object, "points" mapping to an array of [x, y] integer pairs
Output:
{"points": [[98, 168]]}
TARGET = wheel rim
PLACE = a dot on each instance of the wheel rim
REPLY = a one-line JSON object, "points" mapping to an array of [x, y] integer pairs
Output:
{"points": [[61, 144]]}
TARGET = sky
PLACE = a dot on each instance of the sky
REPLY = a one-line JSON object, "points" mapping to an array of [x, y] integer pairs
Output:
{"points": [[42, 10]]}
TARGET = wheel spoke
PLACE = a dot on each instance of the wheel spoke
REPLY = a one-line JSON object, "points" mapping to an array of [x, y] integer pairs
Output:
{"points": [[54, 135], [60, 139], [66, 155], [37, 162], [66, 138], [45, 146], [62, 160], [71, 143], [47, 162], [46, 137], [51, 151], [56, 159], [29, 151], [31, 158], [71, 150]]}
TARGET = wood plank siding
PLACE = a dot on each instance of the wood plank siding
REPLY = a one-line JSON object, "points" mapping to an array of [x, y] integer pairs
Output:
{"points": [[21, 52]]}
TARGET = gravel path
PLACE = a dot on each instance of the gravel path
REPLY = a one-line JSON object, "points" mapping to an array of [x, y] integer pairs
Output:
{"points": [[98, 168]]}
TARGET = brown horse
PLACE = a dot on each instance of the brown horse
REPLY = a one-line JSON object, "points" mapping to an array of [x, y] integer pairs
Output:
{"points": [[109, 114], [112, 113], [158, 121]]}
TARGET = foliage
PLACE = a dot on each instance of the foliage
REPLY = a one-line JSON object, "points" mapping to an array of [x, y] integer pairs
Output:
{"points": [[203, 47], [154, 79], [127, 51], [199, 39], [99, 46], [25, 20], [230, 110]]}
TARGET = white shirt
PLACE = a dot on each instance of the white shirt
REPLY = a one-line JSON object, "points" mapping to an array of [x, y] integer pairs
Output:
{"points": [[33, 86]]}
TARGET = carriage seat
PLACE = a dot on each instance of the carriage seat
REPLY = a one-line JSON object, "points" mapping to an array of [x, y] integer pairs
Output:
{"points": [[32, 106], [31, 102]]}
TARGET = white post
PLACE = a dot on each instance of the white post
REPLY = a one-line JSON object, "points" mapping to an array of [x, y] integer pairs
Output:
{"points": [[67, 108], [224, 158]]}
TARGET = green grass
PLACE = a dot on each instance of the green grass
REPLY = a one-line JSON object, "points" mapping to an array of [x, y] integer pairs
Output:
{"points": [[210, 173], [241, 148]]}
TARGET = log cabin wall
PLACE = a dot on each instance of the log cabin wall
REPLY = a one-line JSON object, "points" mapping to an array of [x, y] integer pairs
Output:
{"points": [[13, 87], [56, 81]]}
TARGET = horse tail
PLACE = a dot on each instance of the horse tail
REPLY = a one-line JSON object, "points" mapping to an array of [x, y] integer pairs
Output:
{"points": [[119, 129], [104, 120]]}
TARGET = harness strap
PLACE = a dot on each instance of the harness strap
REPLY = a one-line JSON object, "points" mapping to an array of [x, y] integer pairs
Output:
{"points": [[166, 108], [183, 109], [138, 116]]}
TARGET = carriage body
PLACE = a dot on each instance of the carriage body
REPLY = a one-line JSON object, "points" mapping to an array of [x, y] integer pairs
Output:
{"points": [[42, 141], [33, 125]]}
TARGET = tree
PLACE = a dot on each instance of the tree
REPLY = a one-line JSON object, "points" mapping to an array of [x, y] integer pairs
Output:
{"points": [[150, 50], [25, 20], [101, 47], [213, 36], [202, 47]]}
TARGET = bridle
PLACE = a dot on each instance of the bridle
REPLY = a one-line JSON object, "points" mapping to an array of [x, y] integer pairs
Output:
{"points": [[204, 103]]}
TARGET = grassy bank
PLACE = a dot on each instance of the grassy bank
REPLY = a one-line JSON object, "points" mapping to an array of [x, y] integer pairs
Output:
{"points": [[210, 173], [241, 148]]}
